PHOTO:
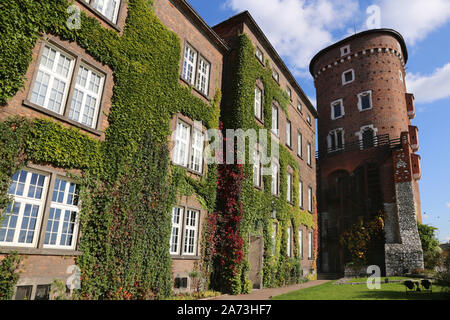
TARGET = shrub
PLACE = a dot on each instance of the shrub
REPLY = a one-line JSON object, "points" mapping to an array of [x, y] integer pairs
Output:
{"points": [[9, 275]]}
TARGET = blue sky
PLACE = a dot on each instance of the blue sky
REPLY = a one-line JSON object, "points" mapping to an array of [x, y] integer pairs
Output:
{"points": [[300, 28]]}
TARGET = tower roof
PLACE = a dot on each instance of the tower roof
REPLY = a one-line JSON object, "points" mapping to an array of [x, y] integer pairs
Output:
{"points": [[392, 32]]}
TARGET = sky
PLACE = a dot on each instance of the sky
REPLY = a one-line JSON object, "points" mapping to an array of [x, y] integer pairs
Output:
{"points": [[298, 29]]}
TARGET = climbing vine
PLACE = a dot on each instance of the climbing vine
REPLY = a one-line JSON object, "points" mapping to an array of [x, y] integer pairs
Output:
{"points": [[128, 184]]}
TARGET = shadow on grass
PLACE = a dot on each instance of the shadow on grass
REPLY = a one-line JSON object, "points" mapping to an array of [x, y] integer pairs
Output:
{"points": [[398, 295]]}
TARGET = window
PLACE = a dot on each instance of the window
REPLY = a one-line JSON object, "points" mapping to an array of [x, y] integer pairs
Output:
{"points": [[42, 292], [308, 150], [289, 235], [300, 107], [197, 151], [52, 87], [275, 170], [300, 243], [275, 126], [365, 100], [289, 92], [368, 137], [108, 8], [300, 193], [274, 237], [22, 222], [256, 168], [181, 150], [335, 140], [299, 144], [175, 237], [20, 226], [184, 233], [258, 103], [345, 50], [259, 55], [310, 200], [62, 220], [288, 133], [203, 75], [289, 187], [348, 76], [23, 293], [310, 245], [276, 75], [190, 232], [337, 109], [189, 64], [308, 119], [86, 96], [400, 74]]}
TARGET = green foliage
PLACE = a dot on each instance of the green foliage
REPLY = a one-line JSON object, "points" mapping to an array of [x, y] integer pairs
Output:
{"points": [[8, 275], [430, 245], [257, 205], [126, 204]]}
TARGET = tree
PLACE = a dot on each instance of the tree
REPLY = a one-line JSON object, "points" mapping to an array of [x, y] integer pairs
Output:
{"points": [[430, 245]]}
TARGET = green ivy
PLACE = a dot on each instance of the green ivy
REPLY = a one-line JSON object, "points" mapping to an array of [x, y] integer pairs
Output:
{"points": [[121, 242]]}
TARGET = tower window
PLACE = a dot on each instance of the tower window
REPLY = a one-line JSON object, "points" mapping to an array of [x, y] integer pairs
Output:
{"points": [[365, 100], [335, 140], [345, 50], [348, 76], [337, 109], [368, 136]]}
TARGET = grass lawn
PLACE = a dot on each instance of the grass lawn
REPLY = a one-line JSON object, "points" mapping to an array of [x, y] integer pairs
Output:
{"points": [[390, 291]]}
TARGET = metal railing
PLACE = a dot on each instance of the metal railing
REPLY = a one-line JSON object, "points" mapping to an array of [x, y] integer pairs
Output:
{"points": [[359, 145]]}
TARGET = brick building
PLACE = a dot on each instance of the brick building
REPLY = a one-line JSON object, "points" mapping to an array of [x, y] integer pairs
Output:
{"points": [[367, 149], [43, 224]]}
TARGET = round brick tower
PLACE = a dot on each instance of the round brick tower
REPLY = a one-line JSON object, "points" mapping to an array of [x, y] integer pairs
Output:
{"points": [[364, 116]]}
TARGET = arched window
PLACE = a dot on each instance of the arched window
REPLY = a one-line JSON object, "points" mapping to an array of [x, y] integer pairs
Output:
{"points": [[368, 136]]}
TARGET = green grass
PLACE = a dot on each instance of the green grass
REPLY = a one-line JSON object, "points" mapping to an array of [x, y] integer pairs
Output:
{"points": [[390, 291], [381, 279]]}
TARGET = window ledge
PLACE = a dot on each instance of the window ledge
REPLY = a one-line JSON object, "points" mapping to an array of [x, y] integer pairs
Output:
{"points": [[101, 16], [41, 251], [60, 117], [195, 89], [181, 257]]}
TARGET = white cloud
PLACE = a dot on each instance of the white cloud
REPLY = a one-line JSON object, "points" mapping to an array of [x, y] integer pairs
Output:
{"points": [[414, 19], [448, 204], [298, 29], [430, 88]]}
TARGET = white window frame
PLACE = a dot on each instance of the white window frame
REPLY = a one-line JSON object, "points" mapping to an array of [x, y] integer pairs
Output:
{"points": [[344, 82], [259, 55], [288, 133], [400, 74], [64, 206], [86, 91], [300, 194], [310, 200], [359, 134], [333, 113], [308, 119], [289, 187], [53, 76], [179, 142], [189, 67], [257, 167], [310, 245], [176, 225], [300, 107], [203, 75], [187, 234], [309, 153], [289, 92], [276, 75], [345, 50], [300, 243], [197, 147], [113, 19], [288, 248], [24, 200], [336, 141], [299, 144], [360, 95], [275, 169], [275, 121], [258, 103]]}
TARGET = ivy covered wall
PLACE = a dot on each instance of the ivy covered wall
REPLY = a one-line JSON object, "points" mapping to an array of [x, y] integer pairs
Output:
{"points": [[128, 184], [245, 210]]}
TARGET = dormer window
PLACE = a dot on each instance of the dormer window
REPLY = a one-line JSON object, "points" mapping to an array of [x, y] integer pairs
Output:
{"points": [[348, 77], [337, 109], [365, 101], [345, 50], [259, 55]]}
